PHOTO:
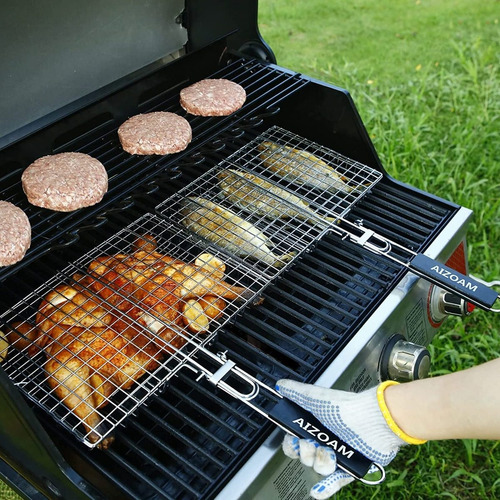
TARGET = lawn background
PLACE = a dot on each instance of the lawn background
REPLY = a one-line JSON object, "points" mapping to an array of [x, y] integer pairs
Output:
{"points": [[424, 76]]}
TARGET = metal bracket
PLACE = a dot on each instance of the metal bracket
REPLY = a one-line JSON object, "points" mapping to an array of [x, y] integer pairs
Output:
{"points": [[216, 377]]}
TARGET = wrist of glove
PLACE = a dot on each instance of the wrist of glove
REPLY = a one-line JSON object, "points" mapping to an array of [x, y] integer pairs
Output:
{"points": [[360, 419]]}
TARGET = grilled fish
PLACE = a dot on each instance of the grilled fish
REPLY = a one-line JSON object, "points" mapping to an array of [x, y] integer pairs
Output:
{"points": [[240, 189], [223, 227], [301, 168]]}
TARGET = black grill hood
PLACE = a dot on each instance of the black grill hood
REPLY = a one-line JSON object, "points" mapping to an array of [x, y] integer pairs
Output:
{"points": [[58, 56]]}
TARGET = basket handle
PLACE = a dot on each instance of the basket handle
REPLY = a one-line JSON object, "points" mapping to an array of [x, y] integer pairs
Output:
{"points": [[301, 423], [466, 287]]}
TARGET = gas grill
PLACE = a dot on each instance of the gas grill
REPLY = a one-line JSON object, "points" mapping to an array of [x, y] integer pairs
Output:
{"points": [[349, 307]]}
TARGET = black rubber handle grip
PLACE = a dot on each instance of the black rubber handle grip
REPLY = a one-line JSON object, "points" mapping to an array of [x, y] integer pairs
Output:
{"points": [[453, 281], [305, 425]]}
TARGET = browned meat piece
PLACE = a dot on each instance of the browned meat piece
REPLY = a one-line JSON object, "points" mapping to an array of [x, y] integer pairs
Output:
{"points": [[151, 273], [15, 233], [110, 327], [91, 352], [213, 97], [156, 133]]}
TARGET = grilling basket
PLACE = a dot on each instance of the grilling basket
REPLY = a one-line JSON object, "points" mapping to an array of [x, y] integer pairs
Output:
{"points": [[99, 338]]}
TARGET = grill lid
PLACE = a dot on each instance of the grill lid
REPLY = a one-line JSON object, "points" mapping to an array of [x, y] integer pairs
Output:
{"points": [[52, 53], [59, 56]]}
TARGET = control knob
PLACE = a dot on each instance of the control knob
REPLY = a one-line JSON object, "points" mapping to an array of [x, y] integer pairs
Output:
{"points": [[404, 361], [443, 304]]}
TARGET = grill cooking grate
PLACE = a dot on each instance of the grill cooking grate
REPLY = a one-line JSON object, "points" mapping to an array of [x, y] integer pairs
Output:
{"points": [[304, 168], [106, 321], [340, 282], [272, 199]]}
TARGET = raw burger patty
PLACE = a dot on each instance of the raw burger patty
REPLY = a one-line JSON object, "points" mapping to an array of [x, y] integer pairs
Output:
{"points": [[15, 233], [158, 133], [213, 97], [65, 181]]}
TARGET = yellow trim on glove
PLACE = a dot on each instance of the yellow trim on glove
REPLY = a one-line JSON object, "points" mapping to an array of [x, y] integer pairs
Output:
{"points": [[388, 417]]}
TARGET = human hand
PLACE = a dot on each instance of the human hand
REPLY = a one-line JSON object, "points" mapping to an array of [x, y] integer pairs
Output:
{"points": [[356, 418]]}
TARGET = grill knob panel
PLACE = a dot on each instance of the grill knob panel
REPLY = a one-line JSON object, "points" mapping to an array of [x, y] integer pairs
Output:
{"points": [[404, 361]]}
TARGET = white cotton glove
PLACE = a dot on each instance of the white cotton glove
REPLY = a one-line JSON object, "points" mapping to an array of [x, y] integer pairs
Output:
{"points": [[322, 460], [356, 418]]}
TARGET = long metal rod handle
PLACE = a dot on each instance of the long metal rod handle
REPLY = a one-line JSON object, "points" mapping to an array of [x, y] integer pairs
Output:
{"points": [[486, 283], [343, 462], [489, 284]]}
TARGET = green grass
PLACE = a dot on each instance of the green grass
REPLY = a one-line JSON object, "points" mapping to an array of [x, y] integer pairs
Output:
{"points": [[425, 78], [386, 40]]}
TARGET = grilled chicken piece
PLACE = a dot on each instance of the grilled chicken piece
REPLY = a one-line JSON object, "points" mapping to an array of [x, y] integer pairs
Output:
{"points": [[151, 303], [258, 196], [144, 275], [226, 229], [194, 316], [23, 336], [197, 314], [301, 168], [146, 242], [110, 327], [211, 265], [91, 352]]}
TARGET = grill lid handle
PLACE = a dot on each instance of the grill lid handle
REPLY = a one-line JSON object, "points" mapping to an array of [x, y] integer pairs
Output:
{"points": [[455, 282], [301, 423]]}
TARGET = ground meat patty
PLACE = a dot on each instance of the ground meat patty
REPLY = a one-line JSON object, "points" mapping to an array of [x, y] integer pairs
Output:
{"points": [[213, 97], [65, 181], [15, 233], [158, 133]]}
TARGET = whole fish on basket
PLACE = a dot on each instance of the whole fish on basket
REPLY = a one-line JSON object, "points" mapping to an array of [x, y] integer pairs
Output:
{"points": [[302, 168], [228, 230], [256, 195]]}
